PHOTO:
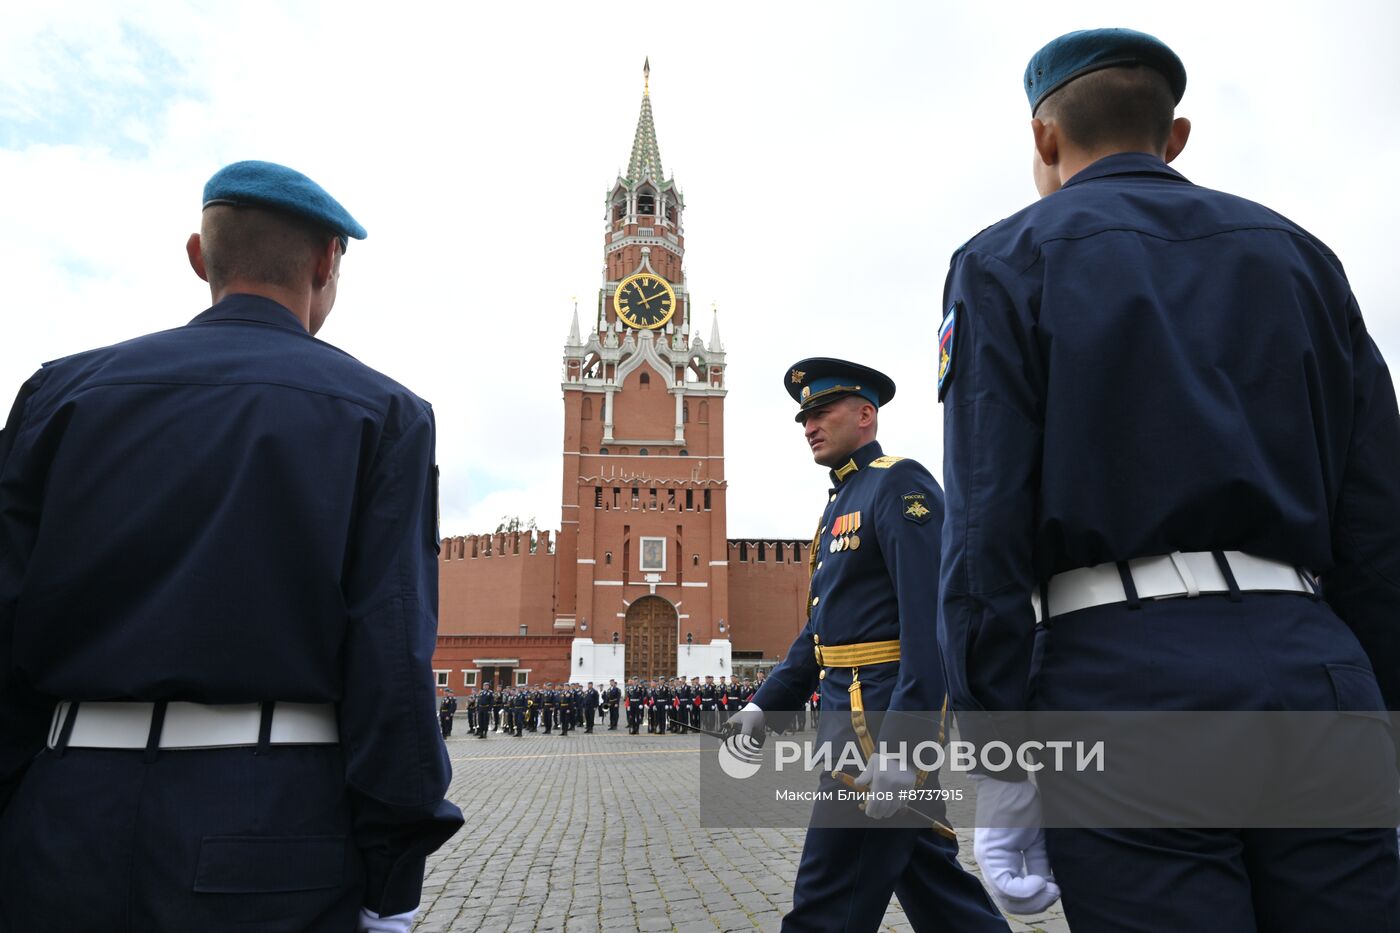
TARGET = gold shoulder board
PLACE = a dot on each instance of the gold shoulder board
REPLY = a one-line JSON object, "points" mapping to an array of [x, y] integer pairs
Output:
{"points": [[884, 463]]}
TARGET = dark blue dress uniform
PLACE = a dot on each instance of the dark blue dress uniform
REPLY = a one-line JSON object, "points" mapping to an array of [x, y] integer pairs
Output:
{"points": [[873, 584], [1136, 366], [227, 512]]}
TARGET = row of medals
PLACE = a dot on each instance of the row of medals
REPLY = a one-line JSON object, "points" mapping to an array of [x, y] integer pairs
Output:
{"points": [[848, 542]]}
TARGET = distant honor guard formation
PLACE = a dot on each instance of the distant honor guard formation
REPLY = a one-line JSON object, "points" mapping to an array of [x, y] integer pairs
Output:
{"points": [[660, 707], [1170, 450]]}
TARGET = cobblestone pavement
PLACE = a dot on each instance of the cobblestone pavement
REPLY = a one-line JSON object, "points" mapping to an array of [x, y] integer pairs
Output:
{"points": [[602, 832]]}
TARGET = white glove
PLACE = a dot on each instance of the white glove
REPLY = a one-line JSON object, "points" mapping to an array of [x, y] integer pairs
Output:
{"points": [[886, 775], [371, 922], [1009, 845], [748, 721]]}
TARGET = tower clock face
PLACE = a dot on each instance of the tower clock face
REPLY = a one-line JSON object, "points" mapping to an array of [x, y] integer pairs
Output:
{"points": [[645, 301]]}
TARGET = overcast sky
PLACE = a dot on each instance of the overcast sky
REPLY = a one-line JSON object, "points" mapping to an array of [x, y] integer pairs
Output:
{"points": [[832, 157]]}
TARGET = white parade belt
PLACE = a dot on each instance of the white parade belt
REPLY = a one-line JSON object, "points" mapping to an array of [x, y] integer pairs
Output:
{"points": [[192, 725], [1170, 576]]}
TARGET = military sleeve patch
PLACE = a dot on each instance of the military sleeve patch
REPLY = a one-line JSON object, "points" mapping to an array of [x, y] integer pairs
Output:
{"points": [[947, 341], [884, 463], [916, 507]]}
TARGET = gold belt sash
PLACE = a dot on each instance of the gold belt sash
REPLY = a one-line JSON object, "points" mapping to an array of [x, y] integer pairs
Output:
{"points": [[855, 657], [870, 652]]}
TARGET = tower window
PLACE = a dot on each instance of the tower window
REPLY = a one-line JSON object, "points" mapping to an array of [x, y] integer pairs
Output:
{"points": [[642, 452], [597, 497], [588, 409], [685, 418], [607, 558], [707, 500], [704, 412], [695, 560], [684, 452], [689, 499], [603, 451], [646, 203], [646, 380]]}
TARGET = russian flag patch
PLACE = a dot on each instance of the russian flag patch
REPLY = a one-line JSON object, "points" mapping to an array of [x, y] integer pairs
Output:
{"points": [[947, 339]]}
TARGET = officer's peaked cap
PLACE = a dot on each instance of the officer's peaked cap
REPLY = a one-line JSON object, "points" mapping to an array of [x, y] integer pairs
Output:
{"points": [[276, 187], [1076, 54], [819, 380]]}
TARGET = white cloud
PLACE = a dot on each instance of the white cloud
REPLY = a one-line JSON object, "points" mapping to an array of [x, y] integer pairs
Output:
{"points": [[832, 157]]}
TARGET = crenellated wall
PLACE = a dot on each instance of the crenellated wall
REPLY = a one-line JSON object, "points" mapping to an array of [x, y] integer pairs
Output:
{"points": [[493, 584], [768, 581]]}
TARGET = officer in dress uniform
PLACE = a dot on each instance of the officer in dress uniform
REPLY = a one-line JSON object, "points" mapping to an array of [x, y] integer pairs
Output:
{"points": [[869, 642], [520, 703], [709, 704], [445, 716], [612, 699], [502, 699], [732, 693], [590, 708], [547, 703], [636, 705], [663, 696], [681, 709], [485, 705], [225, 655], [1144, 380], [694, 711], [564, 711]]}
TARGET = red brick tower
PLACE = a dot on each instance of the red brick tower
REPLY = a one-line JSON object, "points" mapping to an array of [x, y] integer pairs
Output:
{"points": [[641, 570]]}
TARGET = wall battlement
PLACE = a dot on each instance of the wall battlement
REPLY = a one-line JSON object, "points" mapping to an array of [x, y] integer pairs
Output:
{"points": [[499, 544]]}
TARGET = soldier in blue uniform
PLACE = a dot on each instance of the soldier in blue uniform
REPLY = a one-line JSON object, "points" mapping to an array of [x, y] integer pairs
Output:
{"points": [[485, 706], [869, 642], [612, 701], [218, 712], [1144, 381], [564, 710], [636, 705]]}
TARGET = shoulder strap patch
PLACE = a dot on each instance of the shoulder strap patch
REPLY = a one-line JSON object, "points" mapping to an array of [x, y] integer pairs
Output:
{"points": [[916, 507], [884, 463]]}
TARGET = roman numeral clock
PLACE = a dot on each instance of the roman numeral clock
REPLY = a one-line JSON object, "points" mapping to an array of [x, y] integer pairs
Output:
{"points": [[645, 301]]}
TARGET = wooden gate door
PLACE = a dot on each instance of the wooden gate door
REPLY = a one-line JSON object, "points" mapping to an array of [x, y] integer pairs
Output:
{"points": [[651, 638]]}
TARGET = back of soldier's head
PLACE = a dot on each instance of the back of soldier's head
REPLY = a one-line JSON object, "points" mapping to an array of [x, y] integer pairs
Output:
{"points": [[252, 245], [1125, 108]]}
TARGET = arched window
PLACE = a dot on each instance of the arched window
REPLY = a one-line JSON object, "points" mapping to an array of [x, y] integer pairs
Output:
{"points": [[685, 415], [684, 452], [643, 451], [646, 380], [607, 558], [603, 451], [695, 560], [646, 202], [588, 409]]}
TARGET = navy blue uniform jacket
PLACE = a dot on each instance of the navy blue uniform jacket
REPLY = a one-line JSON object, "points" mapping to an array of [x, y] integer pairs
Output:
{"points": [[1139, 366], [884, 590], [227, 512]]}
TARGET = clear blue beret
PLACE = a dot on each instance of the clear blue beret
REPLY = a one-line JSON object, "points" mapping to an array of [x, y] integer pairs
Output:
{"points": [[276, 187], [818, 380], [1077, 53]]}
